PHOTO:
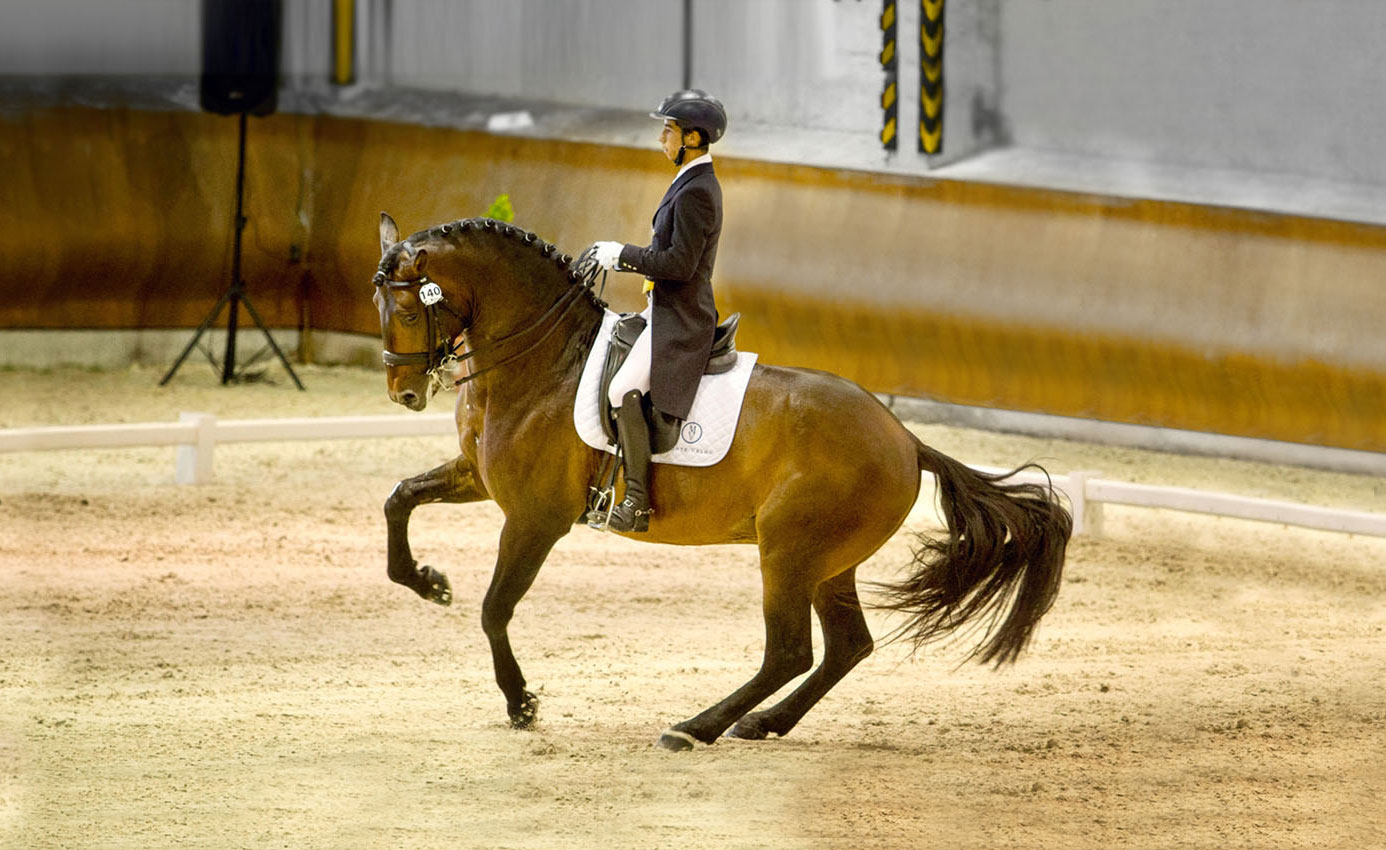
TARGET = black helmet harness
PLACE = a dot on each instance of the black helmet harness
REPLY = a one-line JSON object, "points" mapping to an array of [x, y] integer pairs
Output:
{"points": [[683, 149]]}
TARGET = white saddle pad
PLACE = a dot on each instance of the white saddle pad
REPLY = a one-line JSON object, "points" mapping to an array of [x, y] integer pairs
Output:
{"points": [[707, 432]]}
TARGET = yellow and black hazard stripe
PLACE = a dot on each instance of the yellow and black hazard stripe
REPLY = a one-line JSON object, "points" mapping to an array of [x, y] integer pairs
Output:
{"points": [[930, 76], [890, 63]]}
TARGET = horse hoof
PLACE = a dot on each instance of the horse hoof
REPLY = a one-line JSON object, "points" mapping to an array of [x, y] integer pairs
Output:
{"points": [[437, 588], [525, 716], [748, 728], [676, 741]]}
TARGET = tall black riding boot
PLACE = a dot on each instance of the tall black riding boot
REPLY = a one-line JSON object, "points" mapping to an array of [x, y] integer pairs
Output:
{"points": [[633, 514]]}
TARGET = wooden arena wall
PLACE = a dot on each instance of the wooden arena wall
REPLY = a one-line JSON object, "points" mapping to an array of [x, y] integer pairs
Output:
{"points": [[1149, 312]]}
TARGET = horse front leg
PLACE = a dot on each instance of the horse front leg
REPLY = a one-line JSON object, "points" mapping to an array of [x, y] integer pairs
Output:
{"points": [[522, 552], [455, 481]]}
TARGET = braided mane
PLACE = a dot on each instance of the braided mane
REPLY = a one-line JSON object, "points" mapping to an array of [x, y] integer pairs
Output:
{"points": [[578, 272], [453, 230]]}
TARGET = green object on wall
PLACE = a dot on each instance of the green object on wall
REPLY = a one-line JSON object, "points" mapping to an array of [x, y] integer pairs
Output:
{"points": [[501, 210]]}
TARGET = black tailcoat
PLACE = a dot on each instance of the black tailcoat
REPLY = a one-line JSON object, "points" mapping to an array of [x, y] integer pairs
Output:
{"points": [[679, 260]]}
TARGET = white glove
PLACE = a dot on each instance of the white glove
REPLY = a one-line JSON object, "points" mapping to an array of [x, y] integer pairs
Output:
{"points": [[608, 255]]}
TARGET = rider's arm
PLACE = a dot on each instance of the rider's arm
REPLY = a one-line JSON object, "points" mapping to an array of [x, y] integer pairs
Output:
{"points": [[694, 218]]}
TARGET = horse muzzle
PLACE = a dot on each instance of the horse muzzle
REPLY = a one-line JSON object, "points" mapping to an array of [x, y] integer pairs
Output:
{"points": [[414, 398]]}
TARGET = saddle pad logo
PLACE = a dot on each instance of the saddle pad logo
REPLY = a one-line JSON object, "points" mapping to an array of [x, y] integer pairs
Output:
{"points": [[692, 432]]}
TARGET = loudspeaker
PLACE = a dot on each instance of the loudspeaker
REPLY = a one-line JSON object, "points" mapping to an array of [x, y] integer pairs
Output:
{"points": [[240, 56]]}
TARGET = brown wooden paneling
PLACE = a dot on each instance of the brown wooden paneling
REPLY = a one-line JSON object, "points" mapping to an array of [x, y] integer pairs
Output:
{"points": [[1136, 311]]}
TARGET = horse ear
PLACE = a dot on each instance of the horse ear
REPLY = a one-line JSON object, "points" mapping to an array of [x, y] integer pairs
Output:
{"points": [[412, 262], [389, 232]]}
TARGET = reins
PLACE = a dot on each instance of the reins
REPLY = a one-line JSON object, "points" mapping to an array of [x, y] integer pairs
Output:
{"points": [[571, 296], [440, 355]]}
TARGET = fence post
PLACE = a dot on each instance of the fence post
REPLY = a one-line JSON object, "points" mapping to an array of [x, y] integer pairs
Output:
{"points": [[1087, 515], [195, 458]]}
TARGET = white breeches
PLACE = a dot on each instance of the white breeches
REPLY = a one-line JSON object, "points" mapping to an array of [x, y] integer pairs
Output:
{"points": [[634, 374]]}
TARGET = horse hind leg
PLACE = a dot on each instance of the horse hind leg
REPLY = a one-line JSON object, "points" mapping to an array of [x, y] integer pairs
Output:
{"points": [[846, 641], [788, 653], [802, 548], [455, 481]]}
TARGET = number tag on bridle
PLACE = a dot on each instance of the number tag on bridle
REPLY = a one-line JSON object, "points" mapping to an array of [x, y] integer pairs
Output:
{"points": [[430, 294]]}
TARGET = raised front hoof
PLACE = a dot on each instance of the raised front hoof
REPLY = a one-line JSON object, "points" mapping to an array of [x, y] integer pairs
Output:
{"points": [[526, 714], [435, 586], [676, 741], [749, 728]]}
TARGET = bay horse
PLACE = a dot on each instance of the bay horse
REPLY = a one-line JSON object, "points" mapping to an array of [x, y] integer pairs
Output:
{"points": [[819, 476]]}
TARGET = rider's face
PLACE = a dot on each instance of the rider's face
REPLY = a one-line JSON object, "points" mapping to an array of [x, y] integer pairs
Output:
{"points": [[671, 139]]}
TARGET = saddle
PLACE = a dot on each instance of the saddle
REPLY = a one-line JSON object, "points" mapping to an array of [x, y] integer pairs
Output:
{"points": [[664, 429]]}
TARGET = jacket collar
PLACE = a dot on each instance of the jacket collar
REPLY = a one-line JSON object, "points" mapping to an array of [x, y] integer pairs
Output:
{"points": [[687, 172], [705, 159]]}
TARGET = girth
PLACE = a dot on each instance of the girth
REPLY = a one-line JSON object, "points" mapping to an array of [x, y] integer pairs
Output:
{"points": [[664, 429]]}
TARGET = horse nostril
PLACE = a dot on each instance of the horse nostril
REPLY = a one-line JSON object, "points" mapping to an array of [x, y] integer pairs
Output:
{"points": [[409, 397]]}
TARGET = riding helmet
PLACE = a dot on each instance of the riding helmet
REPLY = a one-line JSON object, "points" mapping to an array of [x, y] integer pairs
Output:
{"points": [[694, 109]]}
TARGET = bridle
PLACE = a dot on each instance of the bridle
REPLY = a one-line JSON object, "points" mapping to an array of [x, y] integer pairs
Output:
{"points": [[441, 356], [438, 351]]}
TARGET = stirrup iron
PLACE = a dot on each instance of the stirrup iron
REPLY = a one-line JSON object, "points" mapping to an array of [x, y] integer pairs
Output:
{"points": [[600, 505]]}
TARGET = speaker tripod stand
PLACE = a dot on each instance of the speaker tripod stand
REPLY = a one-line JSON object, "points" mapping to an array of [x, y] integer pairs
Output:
{"points": [[234, 297]]}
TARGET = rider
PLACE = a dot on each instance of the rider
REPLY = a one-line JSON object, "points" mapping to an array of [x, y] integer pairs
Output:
{"points": [[671, 353]]}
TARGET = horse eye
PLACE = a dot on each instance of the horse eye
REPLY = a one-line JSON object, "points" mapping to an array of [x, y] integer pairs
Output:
{"points": [[408, 318]]}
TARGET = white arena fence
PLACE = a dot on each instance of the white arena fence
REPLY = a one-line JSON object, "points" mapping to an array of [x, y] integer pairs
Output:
{"points": [[196, 436]]}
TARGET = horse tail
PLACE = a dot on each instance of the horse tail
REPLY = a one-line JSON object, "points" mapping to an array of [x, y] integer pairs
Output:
{"points": [[999, 568]]}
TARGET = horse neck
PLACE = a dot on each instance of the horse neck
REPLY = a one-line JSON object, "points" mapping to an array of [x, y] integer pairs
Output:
{"points": [[515, 288]]}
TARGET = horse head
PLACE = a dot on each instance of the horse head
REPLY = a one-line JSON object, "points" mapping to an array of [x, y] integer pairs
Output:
{"points": [[419, 317], [430, 288]]}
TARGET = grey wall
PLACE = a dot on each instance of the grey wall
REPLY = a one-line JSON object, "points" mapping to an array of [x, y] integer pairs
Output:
{"points": [[306, 49], [62, 37], [809, 63], [789, 62], [1262, 85], [619, 53], [141, 37], [1274, 86], [972, 53]]}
